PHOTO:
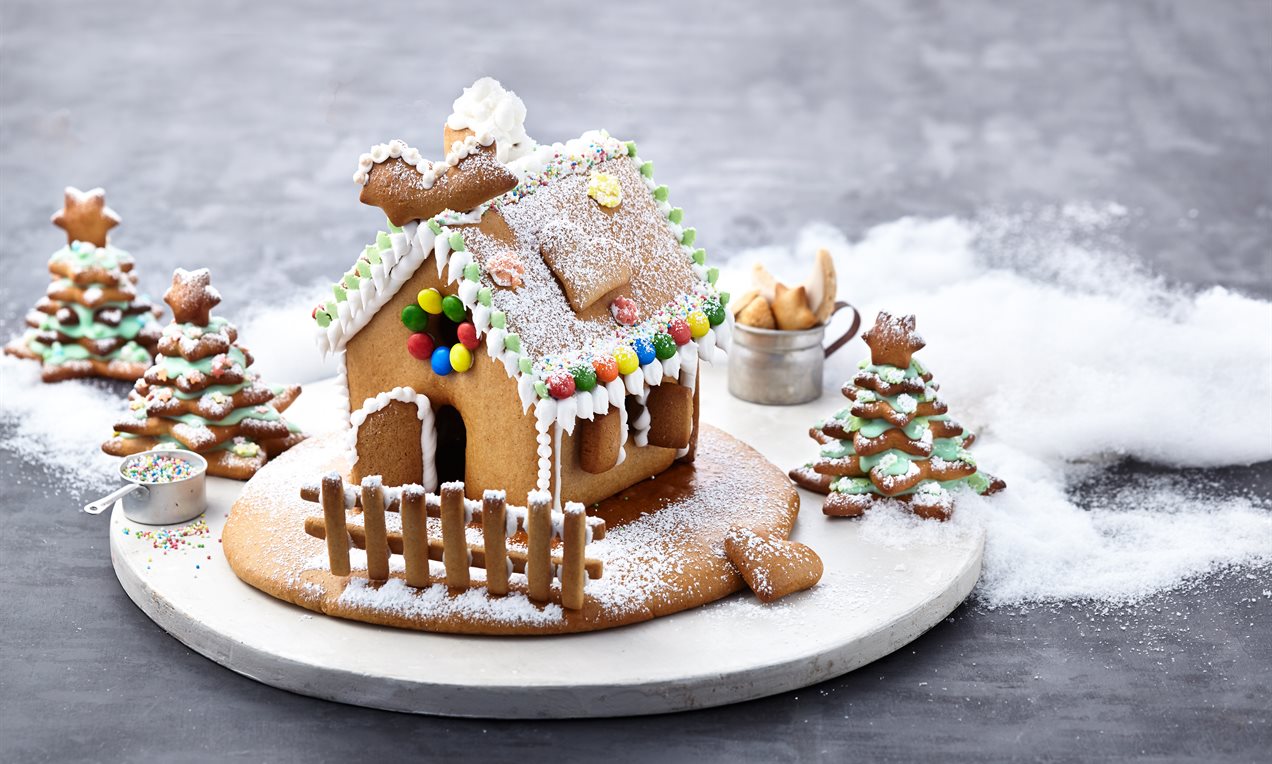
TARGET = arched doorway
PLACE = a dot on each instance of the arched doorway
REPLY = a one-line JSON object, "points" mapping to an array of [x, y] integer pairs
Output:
{"points": [[452, 444]]}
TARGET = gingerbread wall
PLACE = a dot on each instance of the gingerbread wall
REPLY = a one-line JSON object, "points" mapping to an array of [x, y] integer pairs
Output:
{"points": [[501, 438]]}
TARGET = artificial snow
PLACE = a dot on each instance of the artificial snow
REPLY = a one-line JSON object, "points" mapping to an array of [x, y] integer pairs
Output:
{"points": [[1065, 357]]}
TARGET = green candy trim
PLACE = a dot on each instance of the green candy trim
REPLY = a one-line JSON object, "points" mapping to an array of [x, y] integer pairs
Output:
{"points": [[472, 272], [339, 292], [323, 319], [661, 193], [435, 227], [724, 299], [525, 364], [393, 228], [647, 169], [631, 148], [713, 273], [456, 242], [364, 270], [382, 240], [513, 342], [483, 296], [541, 389], [676, 215], [700, 256], [498, 319], [688, 237]]}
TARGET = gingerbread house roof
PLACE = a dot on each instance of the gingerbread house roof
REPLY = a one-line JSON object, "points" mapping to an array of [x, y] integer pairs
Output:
{"points": [[584, 222]]}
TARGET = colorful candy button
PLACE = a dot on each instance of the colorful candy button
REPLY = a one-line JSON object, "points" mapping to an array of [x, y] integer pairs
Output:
{"points": [[414, 318], [664, 346], [430, 300], [606, 369], [714, 312], [679, 331], [561, 385], [468, 335], [644, 350], [584, 377], [627, 360], [454, 309], [441, 362], [698, 324], [461, 358], [420, 346]]}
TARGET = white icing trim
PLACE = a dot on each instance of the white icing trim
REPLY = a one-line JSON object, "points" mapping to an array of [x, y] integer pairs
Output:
{"points": [[428, 428], [556, 466]]}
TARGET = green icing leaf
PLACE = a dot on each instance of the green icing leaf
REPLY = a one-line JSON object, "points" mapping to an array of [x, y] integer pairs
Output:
{"points": [[498, 319], [483, 296], [541, 389], [323, 319], [647, 169], [513, 343], [724, 298], [435, 226], [472, 272], [350, 280], [631, 148], [688, 237], [676, 215], [712, 275], [700, 256], [661, 193], [525, 364], [393, 228], [457, 242], [339, 292], [382, 241], [364, 269]]}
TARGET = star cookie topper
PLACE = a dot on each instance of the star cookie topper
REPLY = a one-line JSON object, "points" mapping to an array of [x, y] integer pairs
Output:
{"points": [[85, 217], [192, 296], [892, 340]]}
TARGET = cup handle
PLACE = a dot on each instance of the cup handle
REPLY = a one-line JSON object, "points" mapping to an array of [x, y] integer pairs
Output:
{"points": [[852, 330], [100, 506]]}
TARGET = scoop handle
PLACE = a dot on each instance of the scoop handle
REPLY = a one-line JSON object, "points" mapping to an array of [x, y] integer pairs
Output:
{"points": [[101, 505]]}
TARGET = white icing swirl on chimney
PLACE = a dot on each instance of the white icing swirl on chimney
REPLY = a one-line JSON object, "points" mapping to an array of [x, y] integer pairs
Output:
{"points": [[487, 108]]}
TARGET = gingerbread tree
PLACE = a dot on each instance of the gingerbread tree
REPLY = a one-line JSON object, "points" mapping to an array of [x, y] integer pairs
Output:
{"points": [[895, 439], [200, 394], [91, 321]]}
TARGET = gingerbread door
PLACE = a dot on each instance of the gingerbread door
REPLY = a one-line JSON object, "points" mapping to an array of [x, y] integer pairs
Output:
{"points": [[394, 436]]}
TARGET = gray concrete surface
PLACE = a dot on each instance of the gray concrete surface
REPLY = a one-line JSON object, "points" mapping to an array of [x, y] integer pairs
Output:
{"points": [[227, 132]]}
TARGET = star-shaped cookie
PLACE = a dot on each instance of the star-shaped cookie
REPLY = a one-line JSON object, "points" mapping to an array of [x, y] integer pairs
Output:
{"points": [[85, 216], [192, 296], [892, 340]]}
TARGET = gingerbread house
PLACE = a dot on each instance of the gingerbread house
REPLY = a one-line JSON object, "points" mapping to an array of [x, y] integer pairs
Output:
{"points": [[533, 318]]}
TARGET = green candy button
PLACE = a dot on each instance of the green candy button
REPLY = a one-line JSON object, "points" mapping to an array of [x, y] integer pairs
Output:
{"points": [[453, 307], [414, 318]]}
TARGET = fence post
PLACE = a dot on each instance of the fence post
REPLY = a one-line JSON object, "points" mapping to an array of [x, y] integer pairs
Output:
{"points": [[494, 533], [574, 541], [539, 545], [454, 543], [333, 510], [377, 542], [414, 535]]}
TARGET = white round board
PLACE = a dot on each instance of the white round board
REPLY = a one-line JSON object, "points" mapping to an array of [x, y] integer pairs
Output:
{"points": [[874, 597]]}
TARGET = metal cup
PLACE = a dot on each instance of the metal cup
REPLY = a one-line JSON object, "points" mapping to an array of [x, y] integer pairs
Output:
{"points": [[170, 503], [782, 367]]}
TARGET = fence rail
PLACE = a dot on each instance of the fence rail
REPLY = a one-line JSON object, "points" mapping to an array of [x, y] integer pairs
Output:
{"points": [[542, 559]]}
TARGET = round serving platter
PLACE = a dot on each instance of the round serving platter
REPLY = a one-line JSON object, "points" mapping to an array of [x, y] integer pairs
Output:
{"points": [[876, 596]]}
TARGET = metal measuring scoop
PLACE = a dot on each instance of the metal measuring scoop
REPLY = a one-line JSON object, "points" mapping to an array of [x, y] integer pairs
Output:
{"points": [[176, 501]]}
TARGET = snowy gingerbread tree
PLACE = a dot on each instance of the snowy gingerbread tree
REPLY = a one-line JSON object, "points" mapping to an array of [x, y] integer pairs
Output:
{"points": [[895, 440], [91, 321], [200, 394]]}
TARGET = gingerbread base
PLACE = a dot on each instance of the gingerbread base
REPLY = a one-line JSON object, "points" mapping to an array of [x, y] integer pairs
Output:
{"points": [[663, 552]]}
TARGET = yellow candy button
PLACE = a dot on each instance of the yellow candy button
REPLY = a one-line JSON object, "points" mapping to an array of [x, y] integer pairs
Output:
{"points": [[698, 324], [627, 360], [430, 300], [461, 358]]}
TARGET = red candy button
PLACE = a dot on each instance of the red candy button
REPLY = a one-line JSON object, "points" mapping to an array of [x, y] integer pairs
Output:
{"points": [[420, 346], [468, 335], [561, 385]]}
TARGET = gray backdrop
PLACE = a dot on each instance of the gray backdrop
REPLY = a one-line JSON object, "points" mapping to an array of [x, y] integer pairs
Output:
{"points": [[227, 132]]}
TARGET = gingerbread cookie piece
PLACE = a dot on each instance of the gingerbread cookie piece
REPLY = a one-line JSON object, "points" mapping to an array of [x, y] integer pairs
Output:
{"points": [[91, 321], [790, 309], [895, 442], [201, 395], [771, 566]]}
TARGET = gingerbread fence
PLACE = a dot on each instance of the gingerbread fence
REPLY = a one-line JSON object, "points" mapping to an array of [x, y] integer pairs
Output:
{"points": [[555, 542]]}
